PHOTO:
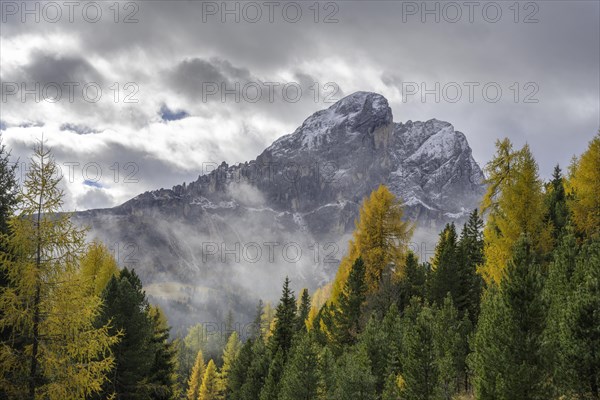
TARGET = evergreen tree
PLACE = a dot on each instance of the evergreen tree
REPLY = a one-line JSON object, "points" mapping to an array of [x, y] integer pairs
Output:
{"points": [[53, 350], [508, 359], [348, 313], [375, 341], [210, 383], [353, 377], [285, 321], [470, 285], [394, 387], [256, 372], [326, 374], [300, 379], [270, 390], [443, 278], [196, 377], [303, 311], [239, 370], [573, 328], [419, 367], [413, 283], [8, 188], [557, 212], [127, 309], [163, 375]]}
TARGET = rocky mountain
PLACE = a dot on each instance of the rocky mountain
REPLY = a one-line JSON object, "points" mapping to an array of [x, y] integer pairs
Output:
{"points": [[232, 235]]}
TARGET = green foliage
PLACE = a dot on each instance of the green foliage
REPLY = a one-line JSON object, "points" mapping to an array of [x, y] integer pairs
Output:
{"points": [[303, 311], [285, 321], [353, 377], [300, 379]]}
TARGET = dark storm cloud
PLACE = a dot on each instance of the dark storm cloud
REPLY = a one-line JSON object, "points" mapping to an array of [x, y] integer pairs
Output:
{"points": [[375, 46]]}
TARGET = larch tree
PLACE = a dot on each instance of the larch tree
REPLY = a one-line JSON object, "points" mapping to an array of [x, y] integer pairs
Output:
{"points": [[230, 356], [380, 238], [98, 265], [584, 184], [196, 377], [48, 303], [210, 383], [515, 205]]}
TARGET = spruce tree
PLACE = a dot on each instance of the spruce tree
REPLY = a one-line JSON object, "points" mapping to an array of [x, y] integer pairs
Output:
{"points": [[270, 390], [470, 252], [162, 376], [300, 379], [443, 278], [508, 358], [353, 377], [285, 321], [557, 212], [236, 378], [347, 315], [450, 351], [127, 309], [413, 282], [303, 311], [256, 372]]}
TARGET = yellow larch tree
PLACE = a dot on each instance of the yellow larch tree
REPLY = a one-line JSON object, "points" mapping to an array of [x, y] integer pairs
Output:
{"points": [[55, 351], [195, 381]]}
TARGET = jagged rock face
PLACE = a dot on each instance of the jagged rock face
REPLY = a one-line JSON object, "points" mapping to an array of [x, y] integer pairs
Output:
{"points": [[306, 187]]}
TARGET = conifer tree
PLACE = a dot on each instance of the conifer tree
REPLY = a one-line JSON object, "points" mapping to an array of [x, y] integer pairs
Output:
{"points": [[419, 367], [515, 204], [163, 376], [443, 278], [380, 238], [230, 355], [285, 321], [348, 312], [303, 311], [413, 283], [127, 309], [196, 377], [210, 383], [256, 373], [270, 390], [353, 377], [508, 358], [300, 379], [584, 184], [557, 212], [98, 265], [239, 370], [470, 285], [8, 188], [53, 351]]}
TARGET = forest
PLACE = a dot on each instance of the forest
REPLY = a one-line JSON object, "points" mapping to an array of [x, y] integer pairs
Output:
{"points": [[507, 308]]}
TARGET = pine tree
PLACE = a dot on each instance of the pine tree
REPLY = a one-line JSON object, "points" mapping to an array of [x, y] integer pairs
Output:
{"points": [[376, 343], [303, 311], [353, 378], [195, 381], [346, 316], [210, 383], [326, 374], [584, 184], [394, 387], [300, 379], [53, 350], [380, 238], [285, 321]]}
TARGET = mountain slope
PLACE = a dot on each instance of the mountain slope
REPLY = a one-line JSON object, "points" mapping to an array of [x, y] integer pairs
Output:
{"points": [[232, 235]]}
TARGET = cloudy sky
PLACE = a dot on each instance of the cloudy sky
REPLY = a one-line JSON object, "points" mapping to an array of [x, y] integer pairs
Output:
{"points": [[143, 95]]}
